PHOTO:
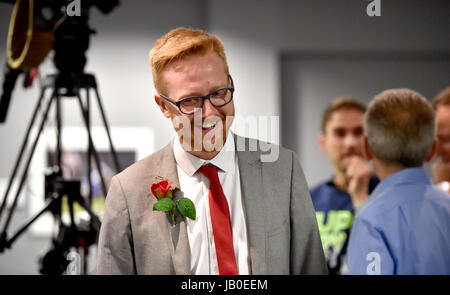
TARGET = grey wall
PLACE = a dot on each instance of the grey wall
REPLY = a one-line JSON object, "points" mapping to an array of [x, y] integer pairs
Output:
{"points": [[269, 45]]}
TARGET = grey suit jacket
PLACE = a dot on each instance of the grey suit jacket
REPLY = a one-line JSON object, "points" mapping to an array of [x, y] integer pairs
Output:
{"points": [[281, 223]]}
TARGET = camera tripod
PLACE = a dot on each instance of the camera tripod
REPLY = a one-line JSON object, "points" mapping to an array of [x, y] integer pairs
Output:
{"points": [[61, 85]]}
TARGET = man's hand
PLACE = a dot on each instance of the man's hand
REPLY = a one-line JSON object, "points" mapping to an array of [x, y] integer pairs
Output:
{"points": [[357, 175]]}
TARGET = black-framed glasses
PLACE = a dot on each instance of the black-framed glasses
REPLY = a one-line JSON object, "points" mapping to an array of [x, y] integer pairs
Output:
{"points": [[217, 98]]}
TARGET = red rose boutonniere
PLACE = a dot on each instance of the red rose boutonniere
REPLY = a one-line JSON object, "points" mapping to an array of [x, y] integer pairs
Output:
{"points": [[164, 193]]}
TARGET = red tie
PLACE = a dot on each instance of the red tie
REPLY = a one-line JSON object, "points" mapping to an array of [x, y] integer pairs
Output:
{"points": [[221, 223]]}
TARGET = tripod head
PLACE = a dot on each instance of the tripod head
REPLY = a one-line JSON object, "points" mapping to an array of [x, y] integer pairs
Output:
{"points": [[72, 33]]}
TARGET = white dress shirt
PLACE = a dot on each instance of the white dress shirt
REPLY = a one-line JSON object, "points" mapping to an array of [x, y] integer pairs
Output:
{"points": [[195, 186]]}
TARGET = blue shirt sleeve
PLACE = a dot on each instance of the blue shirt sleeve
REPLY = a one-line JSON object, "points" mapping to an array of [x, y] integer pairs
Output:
{"points": [[367, 252]]}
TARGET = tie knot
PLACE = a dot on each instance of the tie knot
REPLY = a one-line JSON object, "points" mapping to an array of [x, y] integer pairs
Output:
{"points": [[209, 171]]}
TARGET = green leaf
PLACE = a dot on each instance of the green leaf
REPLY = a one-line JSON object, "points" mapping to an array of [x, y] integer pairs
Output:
{"points": [[169, 194], [160, 196], [164, 204], [186, 208]]}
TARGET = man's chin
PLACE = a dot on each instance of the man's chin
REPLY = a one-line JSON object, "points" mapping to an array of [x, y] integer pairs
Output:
{"points": [[344, 162], [208, 135], [347, 158]]}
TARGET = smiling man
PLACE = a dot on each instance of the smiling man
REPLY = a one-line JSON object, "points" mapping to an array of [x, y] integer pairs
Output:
{"points": [[189, 79], [252, 216]]}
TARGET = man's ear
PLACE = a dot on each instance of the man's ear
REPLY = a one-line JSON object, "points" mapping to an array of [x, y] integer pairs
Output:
{"points": [[162, 106], [432, 152], [367, 149], [321, 141]]}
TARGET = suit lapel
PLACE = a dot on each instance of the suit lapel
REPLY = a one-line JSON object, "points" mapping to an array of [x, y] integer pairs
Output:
{"points": [[250, 171], [178, 239]]}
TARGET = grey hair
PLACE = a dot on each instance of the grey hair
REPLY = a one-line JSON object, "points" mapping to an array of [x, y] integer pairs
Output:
{"points": [[399, 125]]}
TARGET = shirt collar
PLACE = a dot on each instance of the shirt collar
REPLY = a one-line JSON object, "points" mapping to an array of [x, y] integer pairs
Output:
{"points": [[190, 163], [404, 176]]}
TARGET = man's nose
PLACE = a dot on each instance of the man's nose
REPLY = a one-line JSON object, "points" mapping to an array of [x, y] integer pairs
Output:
{"points": [[443, 150], [352, 141], [208, 109]]}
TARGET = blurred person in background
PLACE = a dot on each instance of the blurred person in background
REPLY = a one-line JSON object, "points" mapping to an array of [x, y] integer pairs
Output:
{"points": [[441, 167], [337, 200]]}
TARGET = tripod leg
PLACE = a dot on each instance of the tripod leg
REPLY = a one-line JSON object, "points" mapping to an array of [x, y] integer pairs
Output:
{"points": [[58, 134], [105, 122], [32, 219], [27, 165], [91, 144], [89, 164], [9, 81], [71, 212], [22, 149]]}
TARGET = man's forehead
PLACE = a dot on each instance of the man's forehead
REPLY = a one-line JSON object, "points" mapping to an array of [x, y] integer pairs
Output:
{"points": [[188, 60], [188, 76], [443, 111], [346, 118]]}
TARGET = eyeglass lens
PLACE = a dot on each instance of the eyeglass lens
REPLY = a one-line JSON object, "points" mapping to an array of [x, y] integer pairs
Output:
{"points": [[217, 98]]}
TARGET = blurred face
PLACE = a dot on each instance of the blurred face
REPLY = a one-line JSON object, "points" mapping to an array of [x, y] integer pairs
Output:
{"points": [[204, 132], [443, 132], [343, 137]]}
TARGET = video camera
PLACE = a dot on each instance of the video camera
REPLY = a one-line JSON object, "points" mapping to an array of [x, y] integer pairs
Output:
{"points": [[32, 35]]}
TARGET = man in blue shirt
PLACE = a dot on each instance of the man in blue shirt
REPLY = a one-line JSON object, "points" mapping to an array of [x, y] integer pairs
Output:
{"points": [[337, 200], [405, 226]]}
